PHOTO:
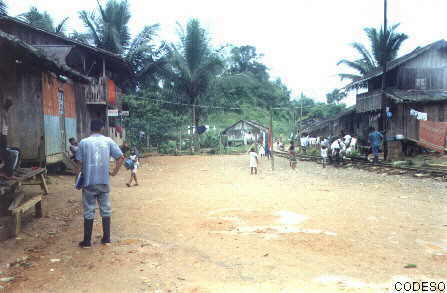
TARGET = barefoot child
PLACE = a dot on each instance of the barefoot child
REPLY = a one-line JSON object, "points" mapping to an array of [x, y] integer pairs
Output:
{"points": [[133, 169], [253, 161], [324, 155], [292, 156]]}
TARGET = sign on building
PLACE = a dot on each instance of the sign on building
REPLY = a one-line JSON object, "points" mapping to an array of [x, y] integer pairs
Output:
{"points": [[124, 113], [112, 112]]}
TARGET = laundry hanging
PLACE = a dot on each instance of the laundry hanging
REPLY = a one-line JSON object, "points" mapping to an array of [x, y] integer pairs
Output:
{"points": [[419, 115]]}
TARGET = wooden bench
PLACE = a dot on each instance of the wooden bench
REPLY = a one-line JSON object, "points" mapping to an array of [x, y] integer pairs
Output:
{"points": [[35, 177], [20, 203], [17, 212]]}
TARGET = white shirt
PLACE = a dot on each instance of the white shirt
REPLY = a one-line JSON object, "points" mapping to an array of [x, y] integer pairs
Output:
{"points": [[253, 159], [347, 138], [338, 144], [304, 141], [324, 153]]}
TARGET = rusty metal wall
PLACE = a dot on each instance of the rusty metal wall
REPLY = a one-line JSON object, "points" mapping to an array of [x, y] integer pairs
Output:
{"points": [[59, 121]]}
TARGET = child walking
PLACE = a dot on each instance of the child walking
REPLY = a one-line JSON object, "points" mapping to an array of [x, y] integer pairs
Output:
{"points": [[324, 155], [292, 156], [253, 161], [133, 169]]}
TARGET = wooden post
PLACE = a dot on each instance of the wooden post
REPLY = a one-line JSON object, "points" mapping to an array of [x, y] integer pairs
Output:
{"points": [[384, 118], [43, 184], [192, 128], [271, 139], [106, 90]]}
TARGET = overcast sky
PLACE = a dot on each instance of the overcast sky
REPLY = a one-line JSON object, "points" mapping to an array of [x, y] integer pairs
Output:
{"points": [[301, 40]]}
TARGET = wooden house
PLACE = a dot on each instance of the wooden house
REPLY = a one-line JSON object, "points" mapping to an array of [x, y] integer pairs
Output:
{"points": [[416, 83], [333, 126], [244, 132], [57, 86]]}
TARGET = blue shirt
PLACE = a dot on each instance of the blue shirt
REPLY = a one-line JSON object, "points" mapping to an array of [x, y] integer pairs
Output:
{"points": [[94, 153], [375, 138]]}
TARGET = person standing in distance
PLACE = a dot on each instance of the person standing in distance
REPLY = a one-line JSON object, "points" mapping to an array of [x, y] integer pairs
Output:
{"points": [[375, 139], [93, 158]]}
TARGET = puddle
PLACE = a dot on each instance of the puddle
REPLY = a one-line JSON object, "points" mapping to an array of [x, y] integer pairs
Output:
{"points": [[247, 223], [437, 248], [290, 218]]}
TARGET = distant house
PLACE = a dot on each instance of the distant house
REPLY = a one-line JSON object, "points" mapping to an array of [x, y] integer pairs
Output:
{"points": [[416, 83], [57, 87], [333, 126], [245, 132]]}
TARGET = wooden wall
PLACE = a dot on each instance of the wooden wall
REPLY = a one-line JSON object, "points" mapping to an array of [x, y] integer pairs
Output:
{"points": [[21, 84]]}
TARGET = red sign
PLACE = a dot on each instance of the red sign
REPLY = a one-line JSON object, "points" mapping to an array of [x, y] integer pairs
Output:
{"points": [[112, 92]]}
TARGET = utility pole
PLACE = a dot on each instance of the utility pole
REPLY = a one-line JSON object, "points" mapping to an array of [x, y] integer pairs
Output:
{"points": [[193, 141], [301, 115], [271, 138], [384, 98]]}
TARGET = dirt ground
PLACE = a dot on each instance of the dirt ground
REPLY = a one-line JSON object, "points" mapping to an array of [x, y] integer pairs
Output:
{"points": [[204, 224]]}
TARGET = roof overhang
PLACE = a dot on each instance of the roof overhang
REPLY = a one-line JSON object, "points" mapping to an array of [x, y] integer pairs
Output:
{"points": [[36, 56], [107, 55], [396, 63]]}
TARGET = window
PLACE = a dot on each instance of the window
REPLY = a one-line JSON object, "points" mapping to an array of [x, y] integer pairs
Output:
{"points": [[60, 96], [421, 84]]}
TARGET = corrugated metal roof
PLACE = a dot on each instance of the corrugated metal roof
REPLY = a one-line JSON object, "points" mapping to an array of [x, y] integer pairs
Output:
{"points": [[112, 56], [51, 64], [399, 61], [249, 122], [416, 96], [58, 53], [324, 123]]}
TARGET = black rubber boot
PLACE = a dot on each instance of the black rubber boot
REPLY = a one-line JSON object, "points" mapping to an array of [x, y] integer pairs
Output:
{"points": [[106, 230], [88, 227]]}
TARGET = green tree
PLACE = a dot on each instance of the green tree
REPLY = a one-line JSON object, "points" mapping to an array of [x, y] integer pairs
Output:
{"points": [[193, 64], [384, 48], [108, 29], [43, 20], [335, 96], [3, 7], [245, 59], [155, 120]]}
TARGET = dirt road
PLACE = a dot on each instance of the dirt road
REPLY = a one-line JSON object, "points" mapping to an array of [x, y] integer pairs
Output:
{"points": [[204, 224]]}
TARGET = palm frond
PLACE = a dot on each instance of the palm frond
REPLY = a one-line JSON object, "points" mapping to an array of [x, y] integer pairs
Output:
{"points": [[357, 65], [366, 55], [3, 8], [60, 28]]}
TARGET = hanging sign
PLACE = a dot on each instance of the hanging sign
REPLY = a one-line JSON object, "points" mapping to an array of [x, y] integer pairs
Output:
{"points": [[112, 112]]}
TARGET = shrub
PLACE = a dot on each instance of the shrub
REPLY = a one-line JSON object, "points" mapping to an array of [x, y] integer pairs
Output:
{"points": [[168, 147], [209, 140]]}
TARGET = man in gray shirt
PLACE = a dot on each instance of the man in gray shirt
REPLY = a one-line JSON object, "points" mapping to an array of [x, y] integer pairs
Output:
{"points": [[93, 156]]}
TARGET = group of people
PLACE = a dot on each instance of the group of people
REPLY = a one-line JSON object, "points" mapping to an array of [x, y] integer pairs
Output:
{"points": [[331, 148]]}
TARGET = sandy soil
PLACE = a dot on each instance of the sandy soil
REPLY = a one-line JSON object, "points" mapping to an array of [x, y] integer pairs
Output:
{"points": [[204, 224]]}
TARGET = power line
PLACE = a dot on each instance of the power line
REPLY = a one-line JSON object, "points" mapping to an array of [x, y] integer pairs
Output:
{"points": [[189, 105], [218, 107]]}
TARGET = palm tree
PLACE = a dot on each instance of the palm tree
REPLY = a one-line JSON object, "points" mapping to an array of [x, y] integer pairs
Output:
{"points": [[43, 20], [193, 64], [109, 29], [335, 96], [384, 48], [3, 7]]}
